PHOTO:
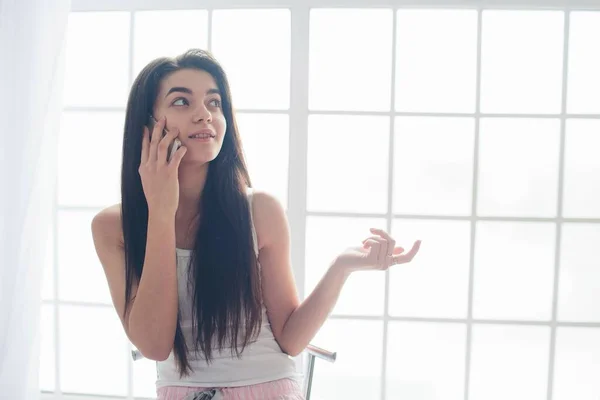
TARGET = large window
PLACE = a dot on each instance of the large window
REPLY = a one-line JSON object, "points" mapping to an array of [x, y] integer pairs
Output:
{"points": [[474, 128]]}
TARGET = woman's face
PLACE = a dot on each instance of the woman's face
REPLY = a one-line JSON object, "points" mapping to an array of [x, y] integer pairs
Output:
{"points": [[191, 102]]}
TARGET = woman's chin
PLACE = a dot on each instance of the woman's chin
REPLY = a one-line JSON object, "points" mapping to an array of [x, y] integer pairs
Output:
{"points": [[197, 158]]}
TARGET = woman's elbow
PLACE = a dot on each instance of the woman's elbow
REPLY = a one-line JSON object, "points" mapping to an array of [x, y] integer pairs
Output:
{"points": [[152, 350], [295, 352], [155, 353], [291, 349]]}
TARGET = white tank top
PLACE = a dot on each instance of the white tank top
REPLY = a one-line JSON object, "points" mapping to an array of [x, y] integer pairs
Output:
{"points": [[261, 361]]}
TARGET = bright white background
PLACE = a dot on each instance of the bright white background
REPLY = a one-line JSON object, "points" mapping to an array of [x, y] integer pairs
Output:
{"points": [[475, 129]]}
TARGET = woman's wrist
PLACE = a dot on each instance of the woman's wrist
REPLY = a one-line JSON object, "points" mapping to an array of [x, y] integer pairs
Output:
{"points": [[341, 269]]}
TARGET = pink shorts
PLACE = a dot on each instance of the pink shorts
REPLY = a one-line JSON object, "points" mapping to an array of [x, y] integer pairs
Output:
{"points": [[282, 389]]}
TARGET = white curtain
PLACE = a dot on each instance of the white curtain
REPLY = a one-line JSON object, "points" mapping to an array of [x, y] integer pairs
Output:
{"points": [[32, 35]]}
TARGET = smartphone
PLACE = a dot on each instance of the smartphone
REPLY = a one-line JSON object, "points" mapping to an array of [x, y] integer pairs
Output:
{"points": [[176, 144]]}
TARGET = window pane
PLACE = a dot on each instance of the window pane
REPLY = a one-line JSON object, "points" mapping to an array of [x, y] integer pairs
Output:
{"points": [[93, 351], [518, 167], [436, 283], [47, 353], [347, 163], [265, 139], [425, 360], [514, 270], [582, 169], [167, 33], [255, 55], [577, 364], [356, 374], [81, 276], [579, 273], [350, 56], [436, 58], [97, 59], [144, 378], [509, 362], [433, 159], [584, 81], [521, 67], [90, 178], [326, 237]]}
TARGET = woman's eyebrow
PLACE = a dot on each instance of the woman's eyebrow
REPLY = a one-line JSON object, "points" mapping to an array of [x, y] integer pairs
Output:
{"points": [[189, 91], [179, 89]]}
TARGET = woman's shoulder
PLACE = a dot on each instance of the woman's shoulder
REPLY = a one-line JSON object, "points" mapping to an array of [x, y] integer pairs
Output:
{"points": [[107, 223], [264, 202], [268, 215]]}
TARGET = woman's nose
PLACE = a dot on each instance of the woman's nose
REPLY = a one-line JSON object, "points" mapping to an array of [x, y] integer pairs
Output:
{"points": [[202, 114]]}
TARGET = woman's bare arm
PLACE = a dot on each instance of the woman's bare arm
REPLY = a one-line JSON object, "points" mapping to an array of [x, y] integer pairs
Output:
{"points": [[151, 317]]}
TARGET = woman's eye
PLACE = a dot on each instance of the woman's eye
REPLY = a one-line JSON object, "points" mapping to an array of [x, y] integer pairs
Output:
{"points": [[180, 102], [215, 103]]}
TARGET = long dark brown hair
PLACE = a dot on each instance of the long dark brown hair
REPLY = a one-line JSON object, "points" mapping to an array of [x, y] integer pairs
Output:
{"points": [[223, 269]]}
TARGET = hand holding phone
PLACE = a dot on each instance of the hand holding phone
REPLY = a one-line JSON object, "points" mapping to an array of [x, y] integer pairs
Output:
{"points": [[160, 179], [176, 144]]}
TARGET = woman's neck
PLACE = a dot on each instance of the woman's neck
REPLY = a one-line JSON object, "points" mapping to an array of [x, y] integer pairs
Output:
{"points": [[192, 179]]}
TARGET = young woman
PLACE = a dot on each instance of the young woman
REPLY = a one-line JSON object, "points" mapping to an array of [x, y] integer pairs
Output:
{"points": [[198, 264]]}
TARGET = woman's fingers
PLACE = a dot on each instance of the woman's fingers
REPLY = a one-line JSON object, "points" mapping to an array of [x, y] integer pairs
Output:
{"points": [[373, 245], [378, 252], [384, 252], [145, 145], [404, 258], [386, 236], [178, 156], [398, 250], [155, 139], [165, 144]]}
